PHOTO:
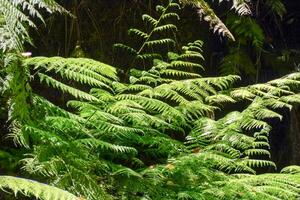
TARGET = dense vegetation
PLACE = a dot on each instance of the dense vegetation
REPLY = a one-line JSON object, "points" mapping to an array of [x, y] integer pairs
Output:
{"points": [[154, 126]]}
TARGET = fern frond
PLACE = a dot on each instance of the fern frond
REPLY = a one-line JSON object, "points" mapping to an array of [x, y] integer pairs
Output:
{"points": [[65, 88], [164, 41], [33, 188], [126, 48], [169, 27], [86, 66], [138, 33], [17, 15], [150, 20], [94, 143]]}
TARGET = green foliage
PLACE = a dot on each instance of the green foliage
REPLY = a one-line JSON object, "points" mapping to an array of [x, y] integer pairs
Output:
{"points": [[154, 136], [253, 39], [17, 81], [155, 36], [16, 15], [32, 188]]}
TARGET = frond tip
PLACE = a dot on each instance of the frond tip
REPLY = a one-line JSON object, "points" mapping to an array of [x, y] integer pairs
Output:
{"points": [[32, 188]]}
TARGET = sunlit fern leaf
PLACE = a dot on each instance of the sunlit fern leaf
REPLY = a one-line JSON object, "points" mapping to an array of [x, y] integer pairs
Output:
{"points": [[98, 70], [41, 136], [259, 163], [93, 112], [189, 89], [33, 188], [101, 94], [153, 105], [65, 88], [220, 98], [242, 94], [173, 72], [249, 123], [294, 169], [98, 144], [291, 98], [252, 152], [222, 82], [165, 91], [125, 106]]}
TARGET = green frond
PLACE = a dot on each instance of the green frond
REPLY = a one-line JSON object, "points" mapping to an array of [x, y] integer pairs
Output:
{"points": [[98, 144], [258, 163], [33, 188], [167, 27], [137, 32], [220, 98], [294, 169], [65, 88], [223, 82], [250, 123], [174, 5], [170, 15], [253, 152], [158, 134], [173, 72], [153, 105], [126, 48], [184, 64], [17, 15], [89, 67], [242, 94], [159, 42], [150, 20], [149, 56]]}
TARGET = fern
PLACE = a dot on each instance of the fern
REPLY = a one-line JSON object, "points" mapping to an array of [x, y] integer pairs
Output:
{"points": [[156, 136], [13, 32], [33, 188], [149, 40]]}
